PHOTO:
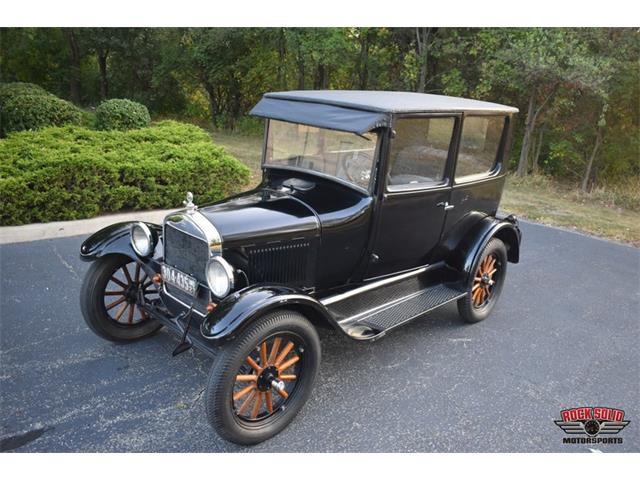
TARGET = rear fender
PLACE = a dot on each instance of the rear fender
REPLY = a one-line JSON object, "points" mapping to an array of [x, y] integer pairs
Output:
{"points": [[466, 253], [238, 310]]}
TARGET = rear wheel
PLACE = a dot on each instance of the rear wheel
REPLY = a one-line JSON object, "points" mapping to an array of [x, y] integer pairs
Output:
{"points": [[262, 379], [485, 285], [108, 299]]}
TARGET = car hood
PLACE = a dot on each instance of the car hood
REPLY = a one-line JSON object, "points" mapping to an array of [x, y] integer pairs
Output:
{"points": [[261, 216]]}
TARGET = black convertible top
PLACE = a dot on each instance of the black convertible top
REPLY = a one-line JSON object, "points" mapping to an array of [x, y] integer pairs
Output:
{"points": [[360, 111]]}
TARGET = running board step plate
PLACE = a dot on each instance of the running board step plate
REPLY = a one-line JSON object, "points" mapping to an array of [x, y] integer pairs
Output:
{"points": [[372, 323]]}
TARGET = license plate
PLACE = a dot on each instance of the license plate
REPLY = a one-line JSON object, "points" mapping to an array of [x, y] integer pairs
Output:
{"points": [[178, 279]]}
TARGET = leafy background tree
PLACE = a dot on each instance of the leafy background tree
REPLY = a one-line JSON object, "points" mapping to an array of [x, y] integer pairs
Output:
{"points": [[577, 89]]}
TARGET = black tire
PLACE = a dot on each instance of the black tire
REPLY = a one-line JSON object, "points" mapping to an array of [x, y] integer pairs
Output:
{"points": [[471, 307], [222, 409], [93, 303]]}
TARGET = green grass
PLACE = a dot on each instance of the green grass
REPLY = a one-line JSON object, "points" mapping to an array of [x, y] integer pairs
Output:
{"points": [[535, 198], [544, 201]]}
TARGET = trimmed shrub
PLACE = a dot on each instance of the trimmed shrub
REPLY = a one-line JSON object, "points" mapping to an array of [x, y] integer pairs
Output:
{"points": [[31, 112], [13, 89], [121, 114], [72, 172]]}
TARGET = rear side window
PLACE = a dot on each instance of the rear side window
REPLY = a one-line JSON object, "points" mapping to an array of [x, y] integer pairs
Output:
{"points": [[419, 152], [479, 145]]}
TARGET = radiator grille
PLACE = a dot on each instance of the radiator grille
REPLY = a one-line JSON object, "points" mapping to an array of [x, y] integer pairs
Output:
{"points": [[185, 252], [189, 255], [285, 263]]}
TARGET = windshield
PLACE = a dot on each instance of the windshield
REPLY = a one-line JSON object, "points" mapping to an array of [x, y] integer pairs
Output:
{"points": [[344, 155]]}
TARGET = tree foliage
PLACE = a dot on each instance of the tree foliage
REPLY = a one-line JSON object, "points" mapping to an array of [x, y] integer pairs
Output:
{"points": [[577, 89]]}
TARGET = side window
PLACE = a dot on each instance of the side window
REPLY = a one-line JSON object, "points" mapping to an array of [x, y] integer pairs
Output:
{"points": [[419, 151], [479, 145]]}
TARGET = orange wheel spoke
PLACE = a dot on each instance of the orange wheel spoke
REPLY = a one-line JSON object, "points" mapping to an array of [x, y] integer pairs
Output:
{"points": [[117, 302], [113, 293], [137, 274], [247, 402], [263, 354], [288, 363], [121, 311], [246, 378], [492, 272], [269, 398], [257, 405], [475, 286], [122, 284], [491, 264], [131, 312], [283, 393], [238, 395], [252, 363], [274, 350], [287, 378], [285, 351], [125, 269], [142, 312]]}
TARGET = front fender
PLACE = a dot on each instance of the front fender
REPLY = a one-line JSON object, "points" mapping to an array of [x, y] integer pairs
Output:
{"points": [[115, 239], [238, 310]]}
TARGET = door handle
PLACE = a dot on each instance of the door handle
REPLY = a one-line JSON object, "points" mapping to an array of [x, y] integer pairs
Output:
{"points": [[445, 205]]}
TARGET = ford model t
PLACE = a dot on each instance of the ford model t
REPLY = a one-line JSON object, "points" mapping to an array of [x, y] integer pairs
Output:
{"points": [[374, 208]]}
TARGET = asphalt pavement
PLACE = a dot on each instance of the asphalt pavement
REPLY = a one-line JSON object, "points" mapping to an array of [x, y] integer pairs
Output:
{"points": [[564, 334]]}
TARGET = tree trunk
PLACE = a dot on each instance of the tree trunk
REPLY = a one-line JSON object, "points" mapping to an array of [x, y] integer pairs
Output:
{"points": [[300, 61], [529, 126], [536, 154], [282, 51], [423, 56], [104, 81], [322, 77], [74, 68], [211, 93], [363, 60], [594, 153]]}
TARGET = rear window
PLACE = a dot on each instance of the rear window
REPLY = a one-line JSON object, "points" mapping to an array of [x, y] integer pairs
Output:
{"points": [[479, 146]]}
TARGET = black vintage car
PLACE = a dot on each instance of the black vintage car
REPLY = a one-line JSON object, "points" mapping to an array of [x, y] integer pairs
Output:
{"points": [[374, 208]]}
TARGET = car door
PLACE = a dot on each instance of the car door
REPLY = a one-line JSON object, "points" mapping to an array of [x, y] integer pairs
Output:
{"points": [[417, 186], [479, 170]]}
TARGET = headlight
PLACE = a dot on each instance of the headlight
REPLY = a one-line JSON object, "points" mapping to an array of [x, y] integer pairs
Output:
{"points": [[142, 239], [219, 276]]}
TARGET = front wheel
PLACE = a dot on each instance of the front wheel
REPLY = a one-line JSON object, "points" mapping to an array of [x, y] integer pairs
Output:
{"points": [[485, 285], [261, 380], [108, 299]]}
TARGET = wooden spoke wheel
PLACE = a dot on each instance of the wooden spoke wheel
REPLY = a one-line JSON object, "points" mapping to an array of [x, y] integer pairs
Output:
{"points": [[484, 280], [260, 380], [109, 295], [122, 291], [267, 378], [485, 285]]}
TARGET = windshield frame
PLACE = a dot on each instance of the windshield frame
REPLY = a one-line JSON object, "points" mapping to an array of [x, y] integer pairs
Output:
{"points": [[374, 163]]}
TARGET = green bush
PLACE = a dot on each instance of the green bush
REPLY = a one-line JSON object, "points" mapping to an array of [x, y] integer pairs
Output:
{"points": [[9, 90], [121, 114], [25, 106], [64, 173]]}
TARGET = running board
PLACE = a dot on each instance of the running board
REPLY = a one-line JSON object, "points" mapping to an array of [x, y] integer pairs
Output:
{"points": [[371, 314]]}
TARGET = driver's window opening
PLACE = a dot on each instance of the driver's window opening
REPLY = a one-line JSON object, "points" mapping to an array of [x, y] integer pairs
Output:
{"points": [[419, 152], [343, 155]]}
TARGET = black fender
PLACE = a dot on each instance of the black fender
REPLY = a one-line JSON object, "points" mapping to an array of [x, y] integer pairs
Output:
{"points": [[238, 310], [116, 238], [467, 250]]}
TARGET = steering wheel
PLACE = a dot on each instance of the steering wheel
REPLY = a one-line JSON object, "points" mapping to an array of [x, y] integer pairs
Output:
{"points": [[357, 168]]}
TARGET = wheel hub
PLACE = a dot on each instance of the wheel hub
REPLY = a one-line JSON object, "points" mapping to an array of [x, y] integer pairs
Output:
{"points": [[265, 378]]}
